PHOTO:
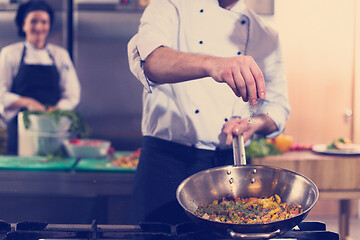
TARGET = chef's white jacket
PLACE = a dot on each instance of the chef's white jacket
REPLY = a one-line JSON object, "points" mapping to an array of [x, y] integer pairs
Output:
{"points": [[194, 112]]}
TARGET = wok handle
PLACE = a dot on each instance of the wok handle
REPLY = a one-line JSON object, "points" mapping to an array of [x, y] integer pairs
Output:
{"points": [[239, 150], [253, 236]]}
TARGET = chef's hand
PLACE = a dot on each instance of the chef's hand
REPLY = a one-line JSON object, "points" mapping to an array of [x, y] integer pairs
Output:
{"points": [[261, 124], [30, 104], [236, 126], [51, 109], [242, 74]]}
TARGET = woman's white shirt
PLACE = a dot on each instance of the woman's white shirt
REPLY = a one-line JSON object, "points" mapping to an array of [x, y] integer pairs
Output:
{"points": [[10, 58]]}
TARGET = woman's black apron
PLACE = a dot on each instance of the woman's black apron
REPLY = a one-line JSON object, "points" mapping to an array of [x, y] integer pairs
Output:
{"points": [[41, 82]]}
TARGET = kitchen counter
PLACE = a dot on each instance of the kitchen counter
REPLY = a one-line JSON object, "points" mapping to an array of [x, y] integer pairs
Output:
{"points": [[69, 177], [67, 183], [337, 177], [64, 191]]}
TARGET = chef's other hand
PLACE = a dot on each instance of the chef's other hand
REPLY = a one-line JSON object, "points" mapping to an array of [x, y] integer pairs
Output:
{"points": [[51, 109], [31, 104], [242, 74], [261, 124], [236, 126]]}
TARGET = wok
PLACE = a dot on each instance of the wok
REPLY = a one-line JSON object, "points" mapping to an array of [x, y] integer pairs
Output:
{"points": [[247, 181]]}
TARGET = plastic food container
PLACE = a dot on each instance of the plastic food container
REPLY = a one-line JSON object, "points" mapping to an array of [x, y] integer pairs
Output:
{"points": [[48, 124], [43, 144], [87, 148]]}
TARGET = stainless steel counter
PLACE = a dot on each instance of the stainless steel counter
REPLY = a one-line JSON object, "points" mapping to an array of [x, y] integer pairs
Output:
{"points": [[78, 184], [8, 7], [65, 197]]}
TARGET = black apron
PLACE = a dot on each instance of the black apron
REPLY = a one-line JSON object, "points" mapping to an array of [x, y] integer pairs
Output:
{"points": [[162, 167], [41, 82]]}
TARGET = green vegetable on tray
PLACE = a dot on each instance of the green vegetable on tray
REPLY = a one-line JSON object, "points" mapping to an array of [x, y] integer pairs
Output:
{"points": [[78, 126], [261, 148]]}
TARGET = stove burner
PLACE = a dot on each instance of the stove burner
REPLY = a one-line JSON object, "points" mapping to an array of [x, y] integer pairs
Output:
{"points": [[306, 231], [148, 231]]}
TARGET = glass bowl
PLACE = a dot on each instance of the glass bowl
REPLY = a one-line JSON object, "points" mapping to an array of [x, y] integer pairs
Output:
{"points": [[87, 148]]}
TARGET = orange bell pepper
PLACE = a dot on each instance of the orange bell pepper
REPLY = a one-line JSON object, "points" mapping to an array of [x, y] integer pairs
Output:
{"points": [[283, 142]]}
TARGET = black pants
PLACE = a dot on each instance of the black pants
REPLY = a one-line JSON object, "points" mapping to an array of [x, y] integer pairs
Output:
{"points": [[162, 167]]}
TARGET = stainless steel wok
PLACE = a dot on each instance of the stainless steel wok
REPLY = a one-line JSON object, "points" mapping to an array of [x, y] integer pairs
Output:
{"points": [[247, 181]]}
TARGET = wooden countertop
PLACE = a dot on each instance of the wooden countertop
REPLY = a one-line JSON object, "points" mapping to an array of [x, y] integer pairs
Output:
{"points": [[335, 176]]}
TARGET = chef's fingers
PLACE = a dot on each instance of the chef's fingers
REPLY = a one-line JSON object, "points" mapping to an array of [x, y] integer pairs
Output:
{"points": [[240, 126], [246, 135], [250, 86], [235, 130], [234, 127], [229, 138], [227, 77], [240, 85], [259, 80], [227, 128], [33, 105], [37, 107]]}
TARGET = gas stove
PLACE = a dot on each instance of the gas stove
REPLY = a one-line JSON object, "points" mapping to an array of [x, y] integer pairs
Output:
{"points": [[148, 231]]}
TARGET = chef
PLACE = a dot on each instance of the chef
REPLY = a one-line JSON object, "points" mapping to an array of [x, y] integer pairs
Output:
{"points": [[201, 64], [35, 74]]}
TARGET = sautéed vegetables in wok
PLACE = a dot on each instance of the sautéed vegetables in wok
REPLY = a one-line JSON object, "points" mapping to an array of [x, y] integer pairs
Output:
{"points": [[248, 210]]}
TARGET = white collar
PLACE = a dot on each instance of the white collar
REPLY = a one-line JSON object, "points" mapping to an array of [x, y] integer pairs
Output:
{"points": [[28, 45]]}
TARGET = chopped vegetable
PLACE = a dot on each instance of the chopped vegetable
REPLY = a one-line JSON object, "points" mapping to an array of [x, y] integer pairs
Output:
{"points": [[344, 144], [128, 161], [283, 142], [261, 148], [248, 210], [86, 142], [338, 142], [297, 146]]}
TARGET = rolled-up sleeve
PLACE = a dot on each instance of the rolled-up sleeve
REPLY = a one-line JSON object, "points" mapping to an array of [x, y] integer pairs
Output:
{"points": [[158, 27]]}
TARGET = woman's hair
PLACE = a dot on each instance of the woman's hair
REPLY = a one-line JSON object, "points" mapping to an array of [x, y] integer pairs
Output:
{"points": [[27, 7]]}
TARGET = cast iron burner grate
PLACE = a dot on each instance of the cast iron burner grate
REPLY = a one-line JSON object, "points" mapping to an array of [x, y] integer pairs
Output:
{"points": [[148, 231]]}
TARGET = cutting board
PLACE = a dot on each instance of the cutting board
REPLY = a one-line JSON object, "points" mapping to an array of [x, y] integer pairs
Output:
{"points": [[37, 163], [102, 164]]}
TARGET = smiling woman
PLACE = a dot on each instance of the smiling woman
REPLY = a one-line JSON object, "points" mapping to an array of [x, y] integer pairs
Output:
{"points": [[36, 75]]}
